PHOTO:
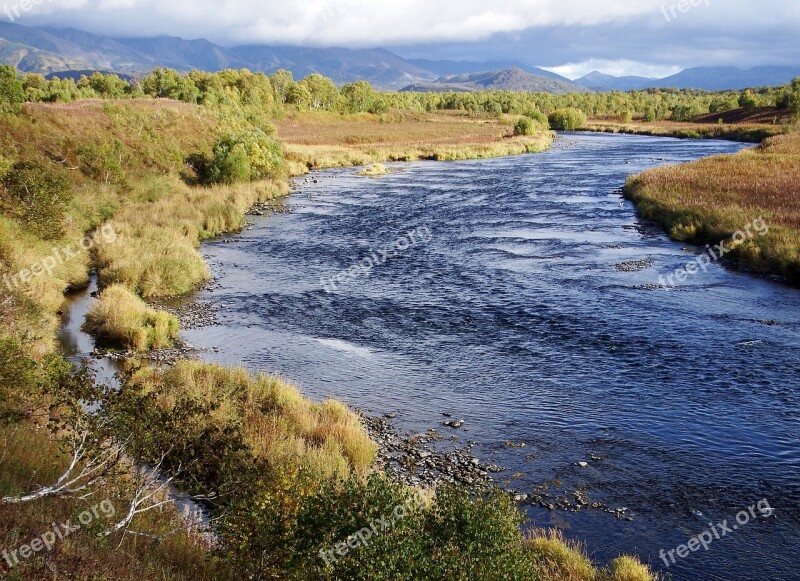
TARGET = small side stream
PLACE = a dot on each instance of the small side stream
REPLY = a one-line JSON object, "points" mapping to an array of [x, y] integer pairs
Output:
{"points": [[78, 347]]}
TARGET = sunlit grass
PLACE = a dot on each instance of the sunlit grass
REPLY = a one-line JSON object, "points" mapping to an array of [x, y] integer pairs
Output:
{"points": [[707, 201], [123, 319], [278, 423]]}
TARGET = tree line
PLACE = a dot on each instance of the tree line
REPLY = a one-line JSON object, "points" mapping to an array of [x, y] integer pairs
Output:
{"points": [[279, 92]]}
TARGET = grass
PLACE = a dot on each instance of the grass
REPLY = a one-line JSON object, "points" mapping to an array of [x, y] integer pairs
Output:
{"points": [[374, 170], [122, 319], [747, 132], [557, 559], [29, 457], [278, 423], [324, 140], [707, 201]]}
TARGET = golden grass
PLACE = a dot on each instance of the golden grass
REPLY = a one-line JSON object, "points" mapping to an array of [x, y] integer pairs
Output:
{"points": [[374, 170], [707, 201], [558, 559], [278, 423], [123, 319], [750, 132], [323, 140], [155, 254]]}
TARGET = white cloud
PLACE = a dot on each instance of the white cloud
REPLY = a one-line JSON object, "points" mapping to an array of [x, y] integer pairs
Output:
{"points": [[351, 22], [618, 68]]}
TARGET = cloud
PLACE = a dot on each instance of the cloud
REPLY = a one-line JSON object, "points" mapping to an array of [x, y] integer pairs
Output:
{"points": [[613, 34]]}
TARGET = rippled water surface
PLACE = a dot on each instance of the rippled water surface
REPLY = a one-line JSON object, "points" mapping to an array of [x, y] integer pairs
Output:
{"points": [[684, 403]]}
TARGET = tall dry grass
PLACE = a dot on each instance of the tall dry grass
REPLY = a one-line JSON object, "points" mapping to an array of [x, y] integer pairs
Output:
{"points": [[324, 140], [558, 559], [278, 423], [123, 319], [707, 201]]}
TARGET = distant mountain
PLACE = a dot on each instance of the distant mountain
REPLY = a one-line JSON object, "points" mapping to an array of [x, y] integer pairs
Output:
{"points": [[725, 78], [50, 50], [380, 67], [598, 81], [504, 80], [449, 68]]}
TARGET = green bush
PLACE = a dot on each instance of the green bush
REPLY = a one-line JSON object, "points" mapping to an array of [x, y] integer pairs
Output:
{"points": [[538, 116], [568, 119], [11, 92], [37, 197], [248, 156], [289, 533], [526, 126]]}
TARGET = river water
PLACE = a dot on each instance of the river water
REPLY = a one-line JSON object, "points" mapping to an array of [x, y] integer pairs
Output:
{"points": [[683, 403]]}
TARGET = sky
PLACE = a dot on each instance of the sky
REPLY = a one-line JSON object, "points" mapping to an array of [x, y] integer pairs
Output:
{"points": [[572, 37]]}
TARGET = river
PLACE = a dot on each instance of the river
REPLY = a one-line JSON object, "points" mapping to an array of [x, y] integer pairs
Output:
{"points": [[506, 308]]}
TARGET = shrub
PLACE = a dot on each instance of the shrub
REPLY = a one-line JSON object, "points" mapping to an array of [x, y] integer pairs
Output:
{"points": [[568, 119], [538, 116], [121, 318], [747, 100], [37, 197], [526, 126], [247, 156], [11, 91]]}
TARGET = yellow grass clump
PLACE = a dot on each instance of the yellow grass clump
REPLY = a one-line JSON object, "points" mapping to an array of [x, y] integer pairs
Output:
{"points": [[279, 424], [558, 559], [121, 318]]}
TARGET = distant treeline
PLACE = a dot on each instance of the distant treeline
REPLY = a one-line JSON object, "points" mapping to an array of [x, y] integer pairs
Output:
{"points": [[279, 92]]}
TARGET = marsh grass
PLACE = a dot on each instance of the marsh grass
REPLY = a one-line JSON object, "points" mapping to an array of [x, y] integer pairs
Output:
{"points": [[558, 559], [324, 140], [122, 319], [707, 201], [279, 424], [747, 132]]}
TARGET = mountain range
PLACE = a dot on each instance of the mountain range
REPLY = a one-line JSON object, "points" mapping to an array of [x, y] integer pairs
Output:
{"points": [[56, 50]]}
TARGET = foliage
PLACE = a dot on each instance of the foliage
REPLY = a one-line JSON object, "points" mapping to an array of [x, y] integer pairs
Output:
{"points": [[11, 92], [38, 197], [247, 156], [526, 126], [568, 119]]}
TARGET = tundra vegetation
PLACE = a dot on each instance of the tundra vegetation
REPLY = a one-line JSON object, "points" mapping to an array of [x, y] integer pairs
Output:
{"points": [[167, 162]]}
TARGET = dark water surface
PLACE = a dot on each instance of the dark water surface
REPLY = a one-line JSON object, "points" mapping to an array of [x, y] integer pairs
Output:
{"points": [[684, 403]]}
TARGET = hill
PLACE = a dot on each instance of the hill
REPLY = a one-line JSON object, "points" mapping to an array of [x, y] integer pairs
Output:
{"points": [[503, 80]]}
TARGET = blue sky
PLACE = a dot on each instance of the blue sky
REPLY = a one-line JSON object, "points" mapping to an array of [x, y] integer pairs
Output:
{"points": [[649, 37]]}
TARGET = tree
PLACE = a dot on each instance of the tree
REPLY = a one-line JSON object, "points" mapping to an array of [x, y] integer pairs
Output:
{"points": [[747, 100], [568, 119], [794, 97], [250, 155], [322, 92], [11, 92], [281, 81]]}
